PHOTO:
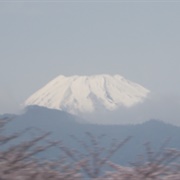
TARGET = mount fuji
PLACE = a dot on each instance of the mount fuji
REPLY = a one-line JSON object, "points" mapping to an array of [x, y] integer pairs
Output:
{"points": [[88, 94]]}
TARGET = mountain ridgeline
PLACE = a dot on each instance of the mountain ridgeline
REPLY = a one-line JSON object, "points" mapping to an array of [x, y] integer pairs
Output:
{"points": [[63, 124], [59, 106]]}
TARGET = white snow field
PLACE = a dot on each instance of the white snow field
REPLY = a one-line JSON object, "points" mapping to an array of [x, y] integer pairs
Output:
{"points": [[85, 94]]}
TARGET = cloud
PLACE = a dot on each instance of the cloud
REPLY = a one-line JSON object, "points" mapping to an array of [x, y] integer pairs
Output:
{"points": [[162, 107]]}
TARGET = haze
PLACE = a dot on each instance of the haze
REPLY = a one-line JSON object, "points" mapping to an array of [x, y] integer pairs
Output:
{"points": [[40, 40]]}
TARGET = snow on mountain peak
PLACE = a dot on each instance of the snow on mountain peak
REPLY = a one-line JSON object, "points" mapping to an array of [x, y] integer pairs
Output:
{"points": [[86, 94]]}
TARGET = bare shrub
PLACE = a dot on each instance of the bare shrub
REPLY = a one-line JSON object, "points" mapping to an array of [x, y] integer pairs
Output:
{"points": [[18, 162], [94, 156], [157, 166]]}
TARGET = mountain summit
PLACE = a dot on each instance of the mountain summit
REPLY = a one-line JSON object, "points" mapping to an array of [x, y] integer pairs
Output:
{"points": [[86, 94]]}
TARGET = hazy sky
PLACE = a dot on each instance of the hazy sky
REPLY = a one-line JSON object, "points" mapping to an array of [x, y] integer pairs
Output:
{"points": [[39, 40]]}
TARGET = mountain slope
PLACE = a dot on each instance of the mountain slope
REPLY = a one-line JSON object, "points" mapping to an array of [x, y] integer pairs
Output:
{"points": [[62, 125], [86, 94]]}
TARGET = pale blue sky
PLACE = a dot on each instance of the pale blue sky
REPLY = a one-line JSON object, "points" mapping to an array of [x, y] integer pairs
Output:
{"points": [[42, 39]]}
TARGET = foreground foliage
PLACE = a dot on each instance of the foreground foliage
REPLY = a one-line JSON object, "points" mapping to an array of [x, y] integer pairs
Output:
{"points": [[18, 161]]}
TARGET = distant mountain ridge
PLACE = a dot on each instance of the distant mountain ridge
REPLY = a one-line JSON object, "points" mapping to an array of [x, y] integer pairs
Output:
{"points": [[62, 125], [86, 94]]}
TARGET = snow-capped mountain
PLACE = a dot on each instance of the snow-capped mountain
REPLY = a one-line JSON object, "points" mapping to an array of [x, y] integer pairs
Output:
{"points": [[86, 94]]}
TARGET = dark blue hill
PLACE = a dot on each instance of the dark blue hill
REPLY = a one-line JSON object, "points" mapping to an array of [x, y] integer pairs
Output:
{"points": [[62, 125]]}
